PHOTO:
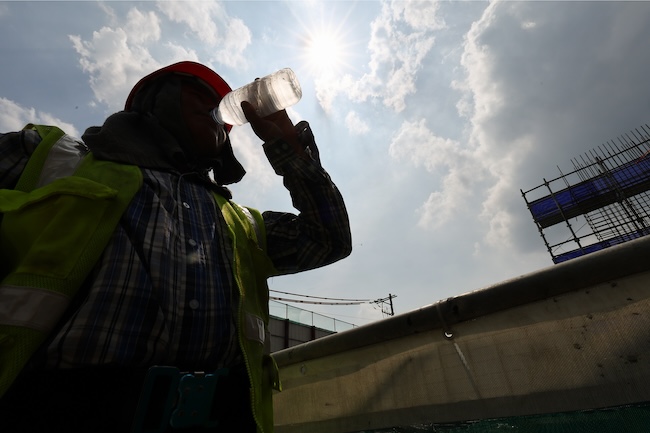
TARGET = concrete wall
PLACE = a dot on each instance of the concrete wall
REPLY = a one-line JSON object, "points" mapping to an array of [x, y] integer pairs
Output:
{"points": [[285, 333]]}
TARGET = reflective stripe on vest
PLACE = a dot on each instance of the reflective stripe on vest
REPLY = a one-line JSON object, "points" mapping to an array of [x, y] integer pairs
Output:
{"points": [[31, 307], [253, 328], [63, 160]]}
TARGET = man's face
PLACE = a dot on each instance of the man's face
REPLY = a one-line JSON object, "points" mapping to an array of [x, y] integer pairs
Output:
{"points": [[208, 136]]}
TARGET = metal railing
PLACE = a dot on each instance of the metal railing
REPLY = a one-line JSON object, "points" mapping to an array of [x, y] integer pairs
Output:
{"points": [[309, 318]]}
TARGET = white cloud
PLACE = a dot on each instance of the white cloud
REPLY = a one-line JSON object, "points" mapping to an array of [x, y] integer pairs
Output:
{"points": [[415, 142], [355, 124], [142, 27], [419, 146], [442, 206], [399, 42], [421, 15], [13, 117], [180, 52], [325, 93], [197, 15], [328, 89], [226, 37], [401, 37], [231, 52], [117, 56]]}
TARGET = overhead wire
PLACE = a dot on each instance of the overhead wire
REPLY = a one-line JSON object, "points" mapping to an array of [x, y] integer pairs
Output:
{"points": [[317, 302], [325, 298], [322, 300]]}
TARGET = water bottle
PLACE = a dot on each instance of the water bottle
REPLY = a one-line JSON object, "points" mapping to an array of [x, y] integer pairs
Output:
{"points": [[268, 95]]}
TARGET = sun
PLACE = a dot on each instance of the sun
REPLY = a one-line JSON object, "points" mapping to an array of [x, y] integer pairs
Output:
{"points": [[325, 39], [324, 52]]}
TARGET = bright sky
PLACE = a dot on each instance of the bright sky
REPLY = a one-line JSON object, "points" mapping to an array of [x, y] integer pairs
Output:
{"points": [[430, 117]]}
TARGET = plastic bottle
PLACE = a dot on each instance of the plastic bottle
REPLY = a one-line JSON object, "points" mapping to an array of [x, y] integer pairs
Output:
{"points": [[269, 94]]}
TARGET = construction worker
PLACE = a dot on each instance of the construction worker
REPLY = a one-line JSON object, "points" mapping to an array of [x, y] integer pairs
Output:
{"points": [[123, 256]]}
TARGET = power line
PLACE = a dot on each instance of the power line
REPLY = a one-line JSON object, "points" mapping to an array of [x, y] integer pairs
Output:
{"points": [[320, 297], [317, 302], [387, 311]]}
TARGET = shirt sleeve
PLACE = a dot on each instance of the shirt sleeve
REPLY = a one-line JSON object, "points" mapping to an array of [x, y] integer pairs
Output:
{"points": [[320, 233], [15, 150]]}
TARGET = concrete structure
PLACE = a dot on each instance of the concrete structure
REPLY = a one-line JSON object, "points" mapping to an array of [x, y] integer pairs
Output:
{"points": [[571, 337]]}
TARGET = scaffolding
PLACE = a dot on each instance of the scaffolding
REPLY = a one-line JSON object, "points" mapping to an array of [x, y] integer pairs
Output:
{"points": [[603, 202]]}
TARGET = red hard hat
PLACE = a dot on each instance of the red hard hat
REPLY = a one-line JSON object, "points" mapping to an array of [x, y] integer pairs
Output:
{"points": [[191, 68]]}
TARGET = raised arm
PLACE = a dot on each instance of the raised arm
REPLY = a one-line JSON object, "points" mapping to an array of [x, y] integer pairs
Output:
{"points": [[320, 233]]}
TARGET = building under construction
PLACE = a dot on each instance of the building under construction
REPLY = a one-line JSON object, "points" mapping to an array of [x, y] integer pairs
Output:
{"points": [[603, 202]]}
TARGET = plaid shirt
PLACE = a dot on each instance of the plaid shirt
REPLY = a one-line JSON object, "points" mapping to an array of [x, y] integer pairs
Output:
{"points": [[163, 291]]}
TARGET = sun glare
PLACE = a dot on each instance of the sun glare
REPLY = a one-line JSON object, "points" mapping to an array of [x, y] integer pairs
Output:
{"points": [[327, 43], [324, 52]]}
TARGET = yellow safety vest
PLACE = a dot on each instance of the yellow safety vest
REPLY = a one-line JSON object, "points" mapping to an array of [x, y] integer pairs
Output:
{"points": [[54, 227], [251, 267]]}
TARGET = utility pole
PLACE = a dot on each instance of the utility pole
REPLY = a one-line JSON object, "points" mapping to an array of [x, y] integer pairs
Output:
{"points": [[386, 310]]}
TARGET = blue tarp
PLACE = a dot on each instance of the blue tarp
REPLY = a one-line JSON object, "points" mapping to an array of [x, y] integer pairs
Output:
{"points": [[600, 245], [628, 179]]}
